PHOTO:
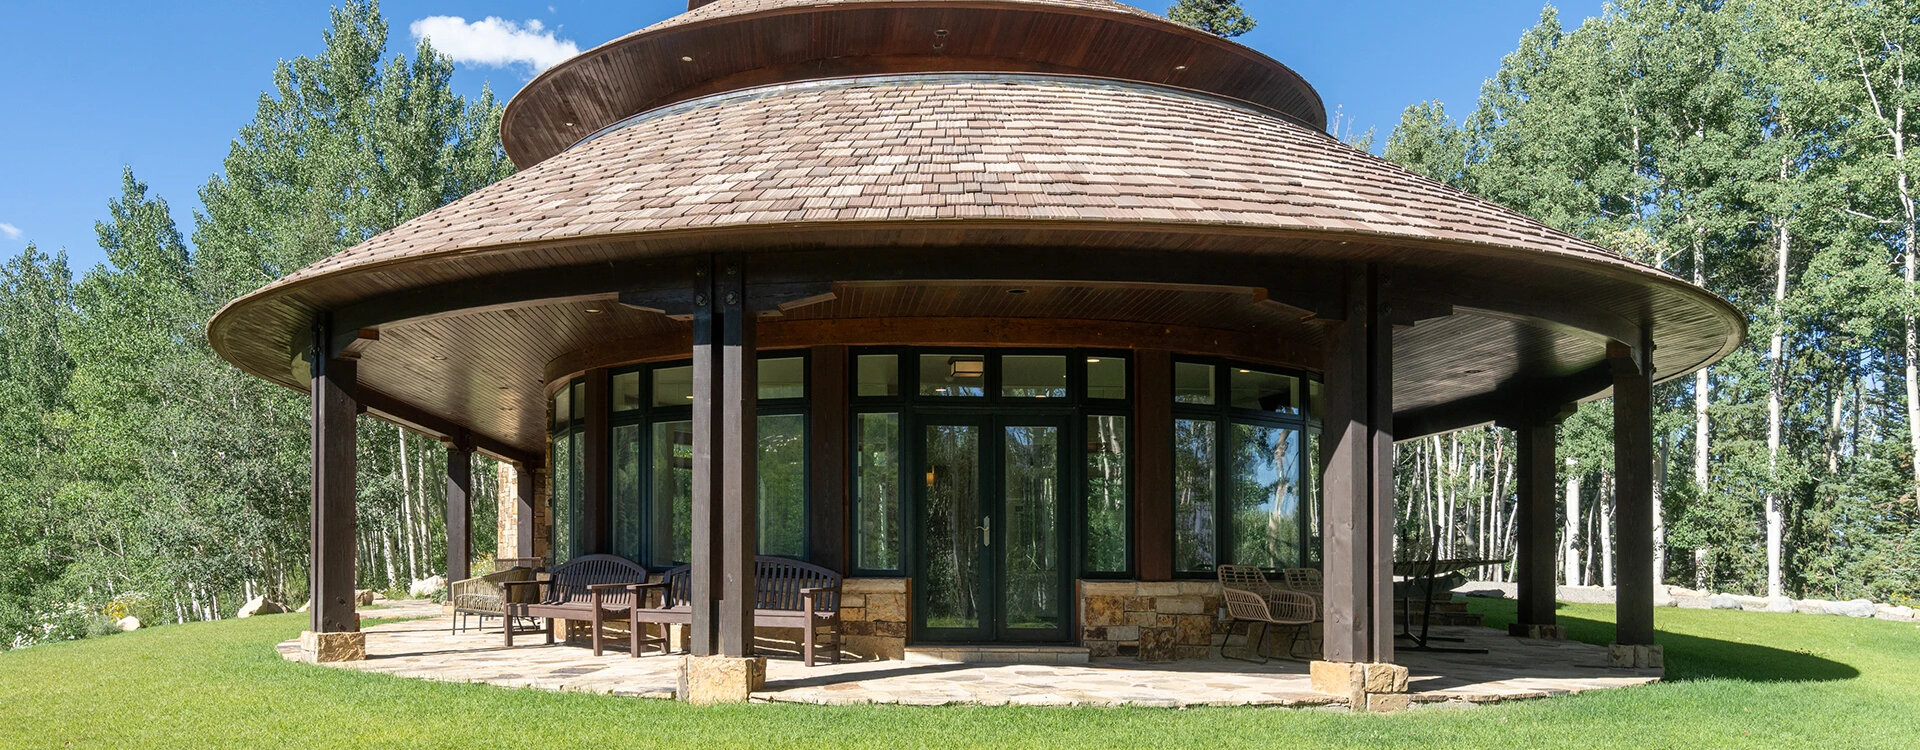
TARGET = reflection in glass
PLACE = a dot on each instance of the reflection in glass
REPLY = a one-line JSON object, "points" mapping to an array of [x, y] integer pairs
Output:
{"points": [[876, 470], [1030, 551], [626, 491], [626, 391], [562, 408], [673, 386], [1106, 547], [1033, 376], [1106, 377], [672, 496], [785, 377], [1316, 400], [1264, 496], [877, 375], [564, 505], [782, 473], [1266, 391], [1192, 383], [1314, 498], [953, 375], [950, 538], [1193, 475]]}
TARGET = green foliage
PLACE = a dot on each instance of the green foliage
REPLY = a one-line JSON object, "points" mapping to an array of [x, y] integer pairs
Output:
{"points": [[1219, 17]]}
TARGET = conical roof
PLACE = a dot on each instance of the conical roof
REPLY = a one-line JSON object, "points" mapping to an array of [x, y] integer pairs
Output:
{"points": [[732, 44]]}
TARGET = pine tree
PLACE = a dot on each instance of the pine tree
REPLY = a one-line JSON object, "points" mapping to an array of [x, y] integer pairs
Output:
{"points": [[1219, 17]]}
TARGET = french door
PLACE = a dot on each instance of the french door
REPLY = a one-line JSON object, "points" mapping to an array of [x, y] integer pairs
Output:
{"points": [[991, 541]]}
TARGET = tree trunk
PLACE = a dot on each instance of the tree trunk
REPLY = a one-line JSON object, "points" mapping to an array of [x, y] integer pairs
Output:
{"points": [[1776, 382], [1603, 509], [1572, 563]]}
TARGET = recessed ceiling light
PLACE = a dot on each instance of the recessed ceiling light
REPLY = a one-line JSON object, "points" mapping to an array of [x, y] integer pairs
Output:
{"points": [[593, 310], [1016, 291], [686, 58], [1246, 372], [1179, 67], [1093, 360], [439, 358], [569, 124]]}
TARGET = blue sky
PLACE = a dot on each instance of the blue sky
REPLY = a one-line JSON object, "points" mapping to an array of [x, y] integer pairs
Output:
{"points": [[88, 87]]}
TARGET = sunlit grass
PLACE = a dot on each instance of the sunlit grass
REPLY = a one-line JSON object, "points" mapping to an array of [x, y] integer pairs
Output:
{"points": [[1735, 679]]}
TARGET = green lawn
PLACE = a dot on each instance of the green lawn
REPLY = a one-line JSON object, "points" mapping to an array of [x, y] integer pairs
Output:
{"points": [[1735, 679]]}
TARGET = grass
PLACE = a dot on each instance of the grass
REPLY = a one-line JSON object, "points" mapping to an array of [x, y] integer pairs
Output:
{"points": [[1735, 679]]}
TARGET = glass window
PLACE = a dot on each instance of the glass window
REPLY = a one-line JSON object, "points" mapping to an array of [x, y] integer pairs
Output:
{"points": [[877, 375], [785, 377], [1193, 495], [877, 491], [563, 507], [626, 391], [953, 375], [1192, 383], [782, 475], [1106, 377], [1033, 376], [673, 386], [1316, 400], [1265, 391], [626, 489], [672, 493], [579, 400], [1106, 498], [562, 408], [1264, 496]]}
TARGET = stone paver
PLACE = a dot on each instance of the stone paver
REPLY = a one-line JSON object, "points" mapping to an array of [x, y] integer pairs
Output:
{"points": [[1512, 669]]}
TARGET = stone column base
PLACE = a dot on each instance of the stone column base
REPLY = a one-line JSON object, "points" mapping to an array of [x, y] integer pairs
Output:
{"points": [[1539, 632], [330, 647], [1367, 686], [706, 680], [1629, 656]]}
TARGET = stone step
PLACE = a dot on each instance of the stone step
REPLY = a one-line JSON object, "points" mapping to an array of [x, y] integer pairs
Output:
{"points": [[997, 654]]}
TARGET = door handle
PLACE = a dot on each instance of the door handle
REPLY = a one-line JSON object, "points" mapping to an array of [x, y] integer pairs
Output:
{"points": [[986, 531]]}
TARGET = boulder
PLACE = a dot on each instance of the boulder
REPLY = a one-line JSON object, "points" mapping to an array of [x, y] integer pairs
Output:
{"points": [[363, 597], [1812, 606], [259, 606], [1684, 591], [1722, 601], [1780, 604], [128, 624], [305, 607], [1850, 608], [1691, 602], [1749, 602], [1489, 589], [1888, 612], [1584, 594], [427, 587], [1662, 598]]}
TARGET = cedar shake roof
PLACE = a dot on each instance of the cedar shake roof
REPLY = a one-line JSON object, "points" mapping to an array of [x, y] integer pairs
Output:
{"points": [[734, 44]]}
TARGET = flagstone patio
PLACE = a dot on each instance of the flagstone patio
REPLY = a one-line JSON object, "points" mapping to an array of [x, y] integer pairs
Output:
{"points": [[1512, 669]]}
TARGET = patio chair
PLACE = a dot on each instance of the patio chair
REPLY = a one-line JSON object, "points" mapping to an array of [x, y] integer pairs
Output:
{"points": [[1304, 580], [1285, 608], [486, 596], [589, 589]]}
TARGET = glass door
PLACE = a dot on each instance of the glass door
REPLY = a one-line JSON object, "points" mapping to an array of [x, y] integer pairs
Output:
{"points": [[991, 552]]}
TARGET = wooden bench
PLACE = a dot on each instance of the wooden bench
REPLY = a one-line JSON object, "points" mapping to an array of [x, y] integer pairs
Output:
{"points": [[788, 593], [590, 588]]}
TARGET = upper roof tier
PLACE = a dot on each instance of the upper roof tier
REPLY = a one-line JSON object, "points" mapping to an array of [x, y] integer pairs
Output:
{"points": [[734, 44]]}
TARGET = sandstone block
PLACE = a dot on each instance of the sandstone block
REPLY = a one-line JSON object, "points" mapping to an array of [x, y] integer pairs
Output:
{"points": [[1104, 610], [853, 600], [1539, 632], [1625, 656], [1158, 588], [332, 647], [1193, 630], [1337, 677], [1179, 605], [1156, 644], [1122, 633], [888, 608], [707, 680], [1386, 678], [1386, 703]]}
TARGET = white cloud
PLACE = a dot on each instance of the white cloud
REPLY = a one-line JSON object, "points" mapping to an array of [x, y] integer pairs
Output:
{"points": [[12, 232], [494, 42]]}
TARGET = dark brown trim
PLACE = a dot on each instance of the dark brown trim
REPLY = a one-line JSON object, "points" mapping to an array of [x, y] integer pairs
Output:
{"points": [[333, 537], [596, 473], [828, 501], [1153, 465], [705, 563], [459, 518], [1633, 493], [739, 447], [1358, 500], [1536, 468]]}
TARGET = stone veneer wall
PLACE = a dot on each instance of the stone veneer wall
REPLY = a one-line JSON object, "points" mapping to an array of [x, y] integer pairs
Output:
{"points": [[508, 523], [1151, 620], [873, 614]]}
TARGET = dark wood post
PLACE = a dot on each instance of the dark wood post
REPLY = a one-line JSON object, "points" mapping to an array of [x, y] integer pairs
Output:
{"points": [[596, 477], [526, 485], [1534, 525], [333, 530], [740, 443], [707, 459], [1153, 465], [1358, 512], [459, 511], [1633, 491], [827, 459]]}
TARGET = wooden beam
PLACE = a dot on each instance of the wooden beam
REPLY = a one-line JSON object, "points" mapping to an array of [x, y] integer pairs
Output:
{"points": [[459, 519], [740, 446], [1153, 465], [1534, 530], [1633, 493], [596, 522], [1512, 403], [828, 460], [333, 524], [411, 417], [1358, 485]]}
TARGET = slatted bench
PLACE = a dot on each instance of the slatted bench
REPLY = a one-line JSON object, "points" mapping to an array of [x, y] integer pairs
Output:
{"points": [[788, 593], [590, 588]]}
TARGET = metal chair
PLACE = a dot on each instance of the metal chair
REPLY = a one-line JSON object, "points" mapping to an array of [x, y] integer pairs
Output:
{"points": [[1286, 608], [1304, 580]]}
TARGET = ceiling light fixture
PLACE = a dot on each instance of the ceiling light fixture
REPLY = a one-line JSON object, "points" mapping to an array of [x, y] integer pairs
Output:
{"points": [[966, 368]]}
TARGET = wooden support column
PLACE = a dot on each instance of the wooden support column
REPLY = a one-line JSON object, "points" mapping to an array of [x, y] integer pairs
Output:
{"points": [[740, 442], [459, 510], [526, 486], [1633, 491], [1358, 496], [596, 476], [1534, 524], [827, 459], [704, 572], [334, 496], [1153, 465]]}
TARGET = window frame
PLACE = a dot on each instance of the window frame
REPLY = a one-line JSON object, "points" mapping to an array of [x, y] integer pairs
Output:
{"points": [[1225, 416]]}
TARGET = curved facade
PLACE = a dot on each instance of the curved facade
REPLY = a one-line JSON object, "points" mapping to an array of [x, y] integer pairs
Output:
{"points": [[1135, 308]]}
